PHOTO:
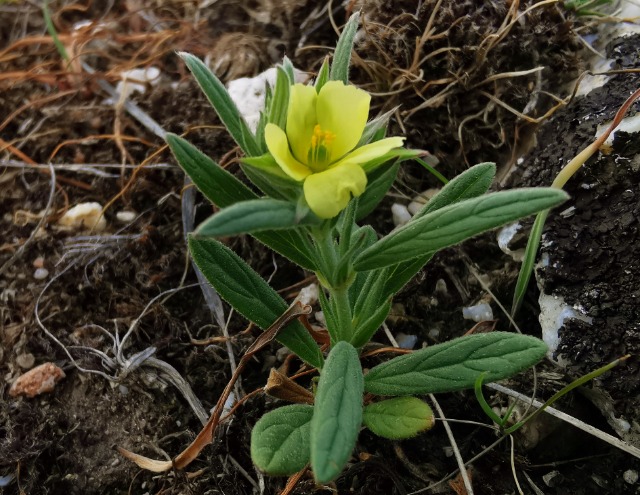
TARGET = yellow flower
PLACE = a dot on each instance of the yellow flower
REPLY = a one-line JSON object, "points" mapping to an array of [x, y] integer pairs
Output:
{"points": [[319, 145]]}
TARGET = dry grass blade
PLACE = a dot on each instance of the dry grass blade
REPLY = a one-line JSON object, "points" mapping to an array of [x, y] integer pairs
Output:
{"points": [[463, 471], [205, 437], [610, 439]]}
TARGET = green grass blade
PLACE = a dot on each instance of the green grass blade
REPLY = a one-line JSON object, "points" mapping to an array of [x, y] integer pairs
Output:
{"points": [[526, 269]]}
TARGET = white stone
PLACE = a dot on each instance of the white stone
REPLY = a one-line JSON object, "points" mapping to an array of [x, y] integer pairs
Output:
{"points": [[629, 124], [479, 312], [248, 93], [308, 295], [630, 476], [553, 313], [126, 216], [505, 236], [406, 341], [136, 81], [40, 273], [400, 214], [84, 216]]}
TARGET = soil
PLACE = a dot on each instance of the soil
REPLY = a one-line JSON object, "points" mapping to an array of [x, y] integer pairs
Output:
{"points": [[593, 253], [99, 283]]}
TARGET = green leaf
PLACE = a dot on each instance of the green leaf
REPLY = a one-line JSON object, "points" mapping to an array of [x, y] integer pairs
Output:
{"points": [[361, 277], [398, 418], [223, 189], [292, 244], [329, 317], [456, 365], [342, 55], [280, 440], [402, 273], [397, 154], [251, 216], [289, 70], [373, 128], [366, 328], [222, 103], [280, 101], [379, 182], [471, 183], [218, 185], [455, 223], [250, 295], [323, 75], [337, 414], [267, 176]]}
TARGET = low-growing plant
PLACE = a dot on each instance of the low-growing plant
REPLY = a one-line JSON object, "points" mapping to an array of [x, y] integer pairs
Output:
{"points": [[321, 168]]}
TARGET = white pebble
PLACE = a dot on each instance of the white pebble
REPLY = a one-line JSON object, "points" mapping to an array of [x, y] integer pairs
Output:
{"points": [[308, 295], [40, 273], [505, 236], [400, 214], [479, 312], [126, 216], [249, 93], [320, 318], [630, 476], [84, 215], [406, 341]]}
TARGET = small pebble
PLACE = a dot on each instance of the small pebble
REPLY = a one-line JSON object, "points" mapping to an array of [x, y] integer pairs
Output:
{"points": [[84, 216], [126, 216], [41, 273], [415, 206], [36, 381], [479, 312], [400, 214], [319, 315], [554, 478], [308, 295], [38, 262], [630, 476], [26, 361], [406, 341]]}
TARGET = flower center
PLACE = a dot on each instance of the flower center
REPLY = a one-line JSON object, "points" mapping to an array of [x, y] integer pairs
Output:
{"points": [[319, 155]]}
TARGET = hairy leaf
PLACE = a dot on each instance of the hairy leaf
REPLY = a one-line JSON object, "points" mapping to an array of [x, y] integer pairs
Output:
{"points": [[456, 365], [379, 182], [252, 216], [222, 103], [342, 55], [455, 223], [280, 440], [337, 414], [471, 183], [218, 185], [398, 418], [250, 295]]}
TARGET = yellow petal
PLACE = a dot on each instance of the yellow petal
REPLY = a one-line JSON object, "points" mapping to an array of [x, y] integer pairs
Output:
{"points": [[342, 110], [278, 146], [301, 119], [328, 193], [370, 151]]}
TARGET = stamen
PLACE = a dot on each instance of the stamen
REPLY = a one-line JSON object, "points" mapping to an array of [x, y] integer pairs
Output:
{"points": [[320, 149]]}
